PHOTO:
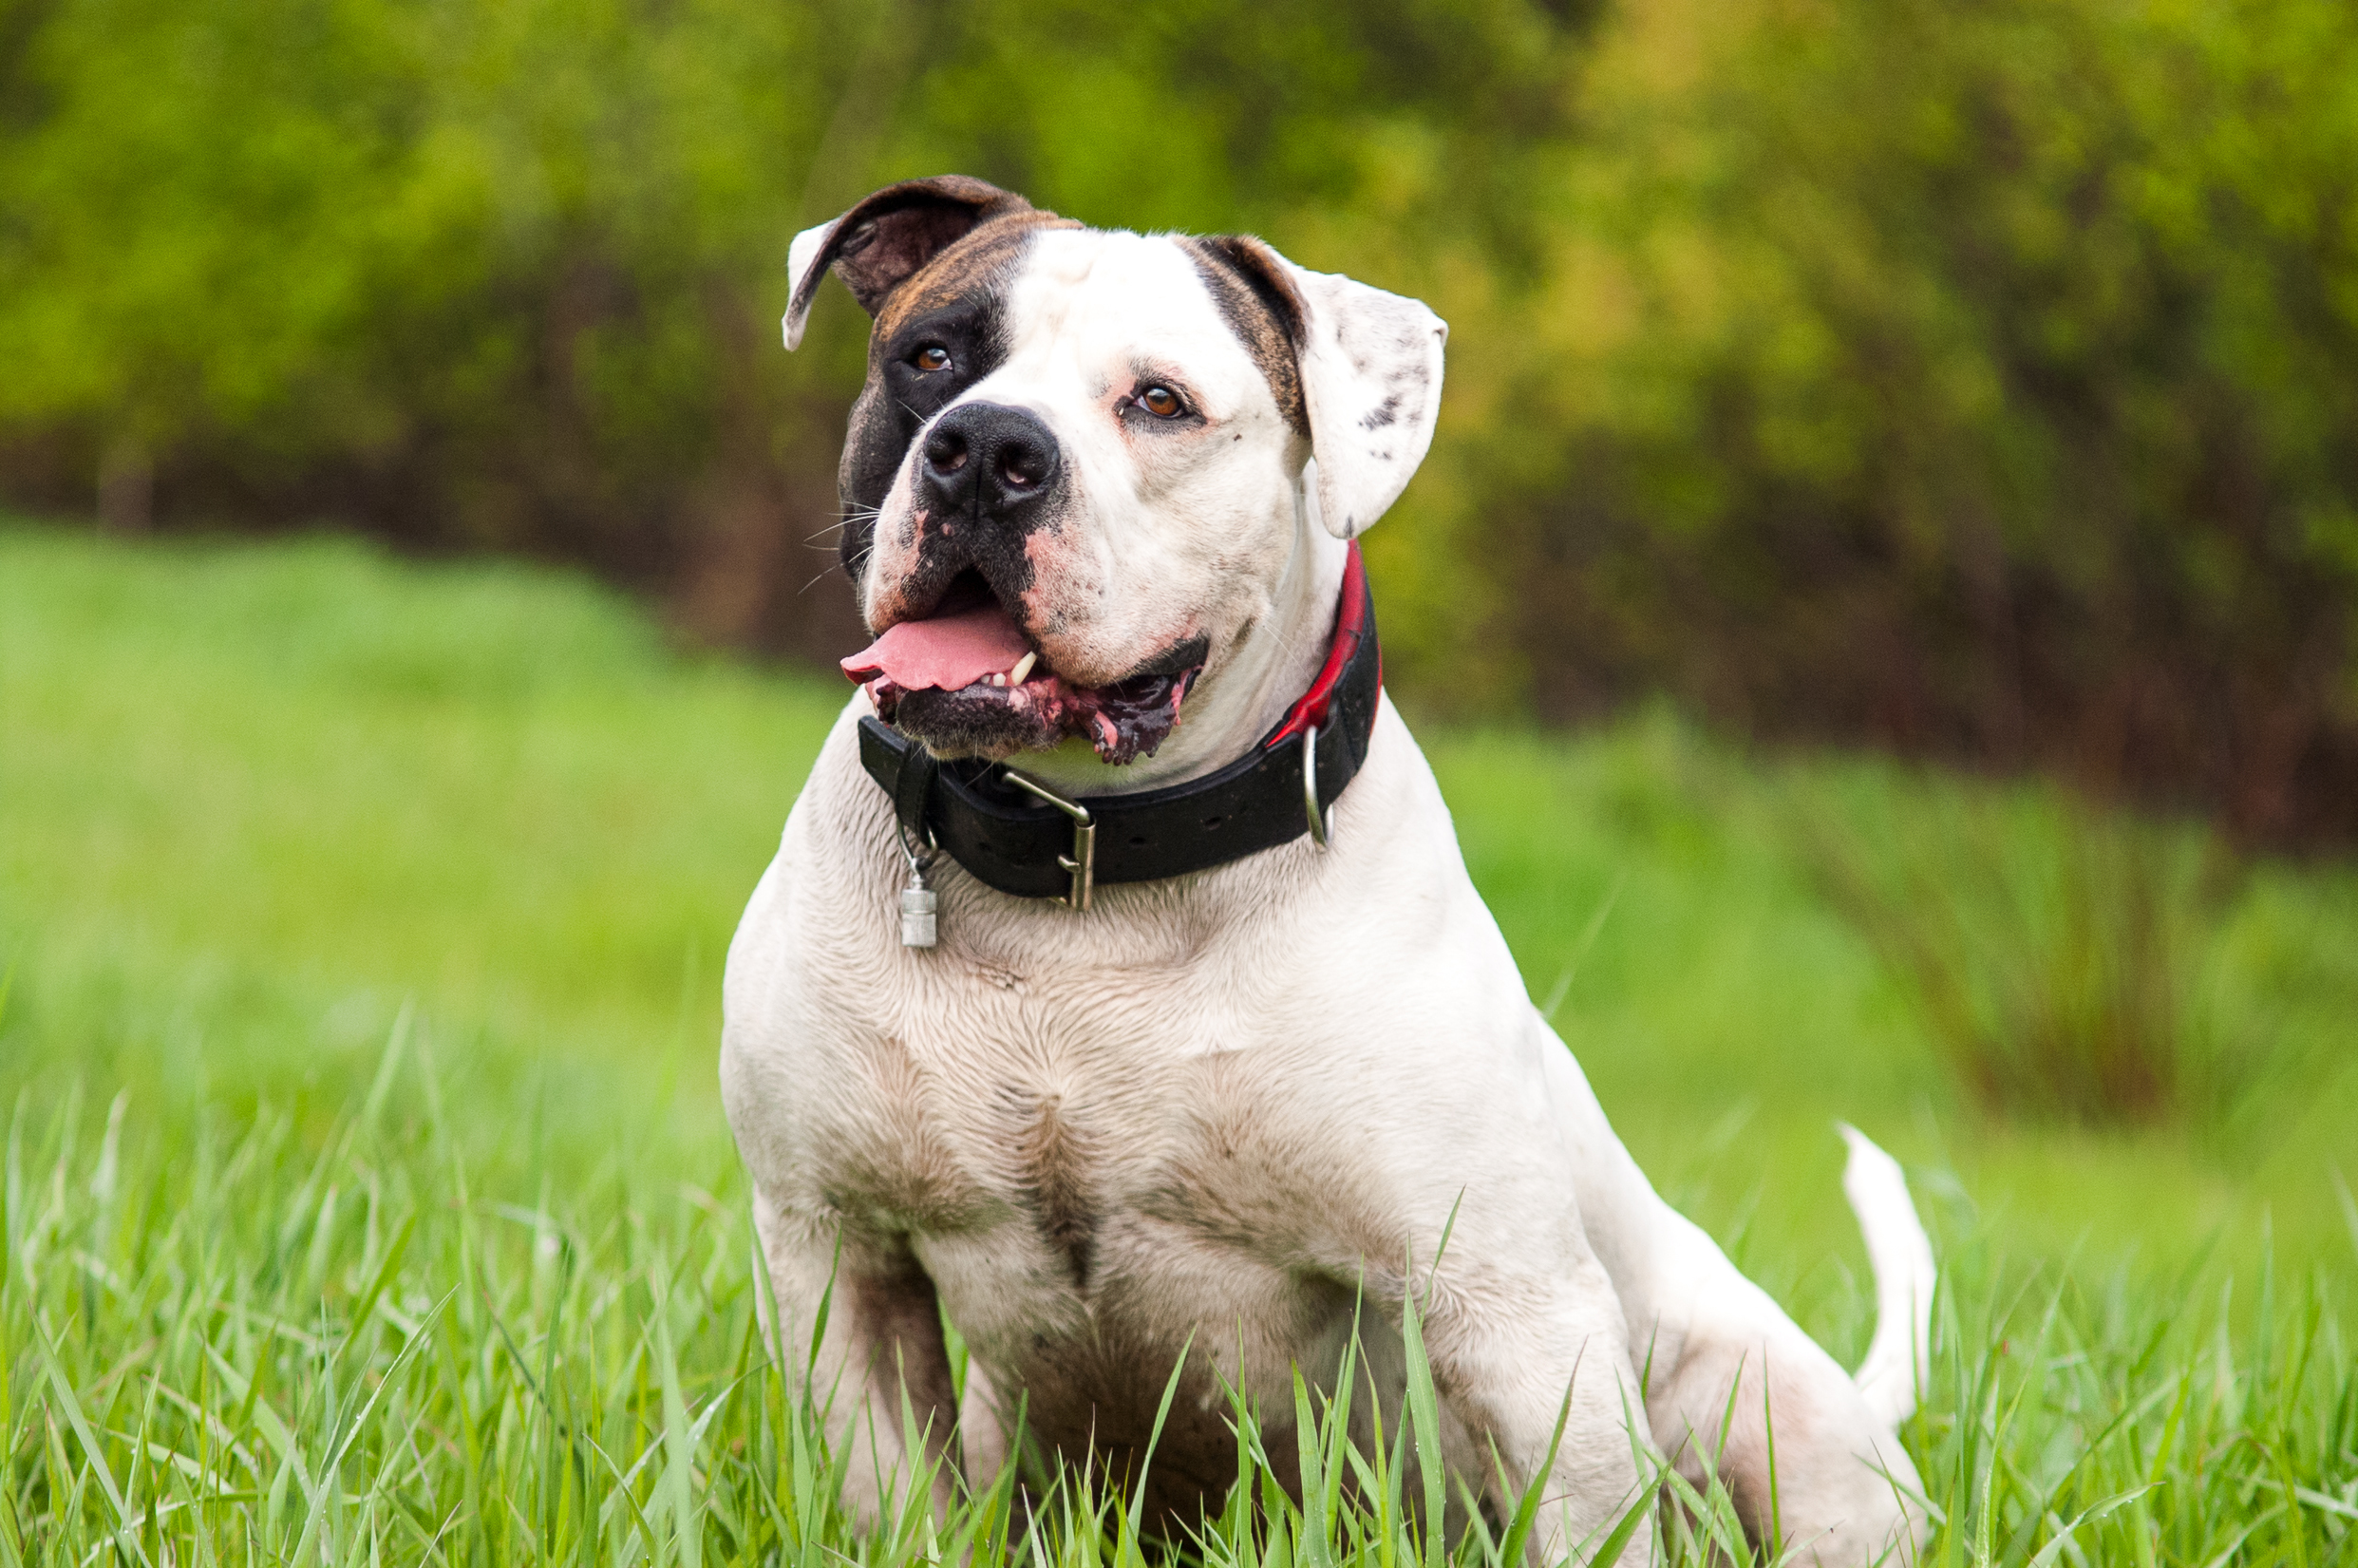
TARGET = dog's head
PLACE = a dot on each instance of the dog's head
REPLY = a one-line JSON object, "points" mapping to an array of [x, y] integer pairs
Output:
{"points": [[1087, 463]]}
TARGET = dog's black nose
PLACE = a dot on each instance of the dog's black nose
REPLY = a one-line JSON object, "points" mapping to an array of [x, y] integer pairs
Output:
{"points": [[988, 457]]}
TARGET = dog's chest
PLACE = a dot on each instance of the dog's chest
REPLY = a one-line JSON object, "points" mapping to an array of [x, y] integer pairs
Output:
{"points": [[1005, 1101], [1076, 1143]]}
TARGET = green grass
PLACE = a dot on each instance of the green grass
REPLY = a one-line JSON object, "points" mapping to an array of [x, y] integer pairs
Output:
{"points": [[366, 1196]]}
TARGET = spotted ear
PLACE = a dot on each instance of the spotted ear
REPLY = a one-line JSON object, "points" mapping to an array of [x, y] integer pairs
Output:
{"points": [[881, 242], [1370, 365]]}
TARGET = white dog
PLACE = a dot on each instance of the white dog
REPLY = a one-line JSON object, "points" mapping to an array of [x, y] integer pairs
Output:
{"points": [[1199, 1031]]}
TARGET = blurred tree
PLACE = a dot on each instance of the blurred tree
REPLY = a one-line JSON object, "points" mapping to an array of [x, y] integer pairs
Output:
{"points": [[1982, 379], [508, 274]]}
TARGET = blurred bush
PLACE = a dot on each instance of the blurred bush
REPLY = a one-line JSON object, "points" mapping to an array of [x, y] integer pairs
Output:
{"points": [[1980, 379], [2068, 963]]}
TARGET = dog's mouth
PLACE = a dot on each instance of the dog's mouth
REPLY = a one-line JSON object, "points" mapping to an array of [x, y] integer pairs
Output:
{"points": [[965, 680]]}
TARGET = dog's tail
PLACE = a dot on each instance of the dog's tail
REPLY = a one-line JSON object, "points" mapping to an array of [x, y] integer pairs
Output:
{"points": [[1900, 1357]]}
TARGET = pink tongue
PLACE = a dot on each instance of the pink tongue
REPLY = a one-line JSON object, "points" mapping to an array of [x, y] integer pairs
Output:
{"points": [[948, 651]]}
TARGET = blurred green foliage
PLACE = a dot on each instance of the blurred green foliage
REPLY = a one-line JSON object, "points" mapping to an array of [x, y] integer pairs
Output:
{"points": [[1978, 378]]}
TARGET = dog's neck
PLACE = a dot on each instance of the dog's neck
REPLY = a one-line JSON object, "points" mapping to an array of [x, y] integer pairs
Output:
{"points": [[1233, 707]]}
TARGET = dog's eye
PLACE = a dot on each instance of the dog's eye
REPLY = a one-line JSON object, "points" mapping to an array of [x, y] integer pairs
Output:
{"points": [[1160, 401], [932, 357]]}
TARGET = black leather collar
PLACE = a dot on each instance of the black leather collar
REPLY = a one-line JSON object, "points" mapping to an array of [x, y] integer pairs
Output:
{"points": [[1005, 837]]}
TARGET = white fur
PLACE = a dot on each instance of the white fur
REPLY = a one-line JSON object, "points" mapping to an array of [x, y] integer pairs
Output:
{"points": [[1900, 1357], [1267, 1087], [1371, 370], [803, 279]]}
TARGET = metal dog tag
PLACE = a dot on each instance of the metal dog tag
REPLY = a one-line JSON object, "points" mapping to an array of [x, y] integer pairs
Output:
{"points": [[917, 901], [918, 905]]}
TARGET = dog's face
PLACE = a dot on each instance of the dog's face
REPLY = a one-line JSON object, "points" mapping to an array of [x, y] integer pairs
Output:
{"points": [[1076, 477]]}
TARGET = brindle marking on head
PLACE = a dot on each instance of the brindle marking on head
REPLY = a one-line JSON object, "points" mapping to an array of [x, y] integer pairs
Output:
{"points": [[1261, 309], [892, 233], [980, 260]]}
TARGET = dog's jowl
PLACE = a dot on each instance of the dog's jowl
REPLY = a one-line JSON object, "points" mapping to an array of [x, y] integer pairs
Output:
{"points": [[1212, 1039]]}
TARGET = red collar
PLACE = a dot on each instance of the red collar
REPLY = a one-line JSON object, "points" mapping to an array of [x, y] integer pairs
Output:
{"points": [[1355, 619]]}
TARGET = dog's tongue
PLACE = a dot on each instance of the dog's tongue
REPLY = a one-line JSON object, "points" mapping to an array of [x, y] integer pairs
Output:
{"points": [[948, 651]]}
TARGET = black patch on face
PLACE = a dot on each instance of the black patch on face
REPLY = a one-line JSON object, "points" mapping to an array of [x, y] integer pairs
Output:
{"points": [[901, 398], [957, 301], [1261, 308]]}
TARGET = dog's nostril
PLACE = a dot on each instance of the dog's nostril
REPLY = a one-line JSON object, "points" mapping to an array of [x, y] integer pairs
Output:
{"points": [[1021, 467], [945, 452]]}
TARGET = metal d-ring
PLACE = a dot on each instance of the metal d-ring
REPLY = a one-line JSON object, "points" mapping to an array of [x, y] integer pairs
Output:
{"points": [[1082, 863], [1310, 786], [917, 861]]}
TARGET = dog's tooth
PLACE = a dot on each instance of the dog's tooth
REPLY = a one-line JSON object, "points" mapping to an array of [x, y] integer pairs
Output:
{"points": [[1023, 667]]}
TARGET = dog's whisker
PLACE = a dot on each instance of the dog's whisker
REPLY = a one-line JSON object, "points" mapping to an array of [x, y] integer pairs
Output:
{"points": [[850, 569]]}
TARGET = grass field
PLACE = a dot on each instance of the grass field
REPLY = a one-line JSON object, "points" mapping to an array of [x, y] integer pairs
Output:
{"points": [[366, 1196]]}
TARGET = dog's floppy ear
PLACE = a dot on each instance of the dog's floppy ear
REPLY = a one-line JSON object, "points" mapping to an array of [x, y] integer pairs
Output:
{"points": [[877, 246], [1370, 365]]}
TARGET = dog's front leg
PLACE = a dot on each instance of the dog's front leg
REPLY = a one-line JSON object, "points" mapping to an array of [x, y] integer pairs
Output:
{"points": [[879, 1373], [1512, 1355]]}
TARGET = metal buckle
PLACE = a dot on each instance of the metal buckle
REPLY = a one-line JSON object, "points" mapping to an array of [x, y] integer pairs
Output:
{"points": [[1082, 862], [1310, 786]]}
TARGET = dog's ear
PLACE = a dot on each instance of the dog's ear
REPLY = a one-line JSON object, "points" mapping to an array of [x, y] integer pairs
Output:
{"points": [[1370, 364], [881, 242]]}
